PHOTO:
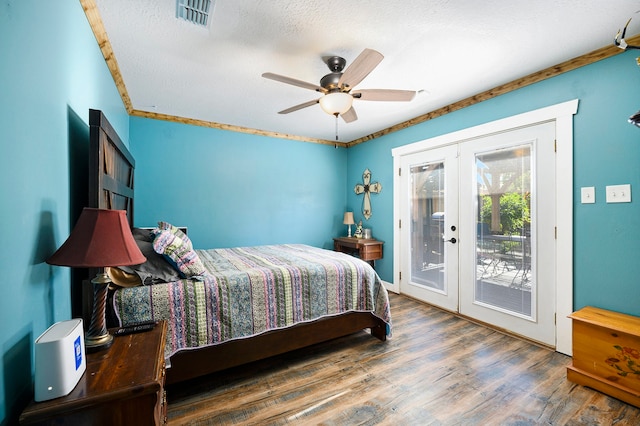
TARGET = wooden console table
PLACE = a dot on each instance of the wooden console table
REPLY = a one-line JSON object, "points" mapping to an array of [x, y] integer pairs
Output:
{"points": [[367, 249], [606, 353]]}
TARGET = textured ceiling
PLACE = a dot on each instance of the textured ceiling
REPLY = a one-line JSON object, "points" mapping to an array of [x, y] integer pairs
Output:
{"points": [[447, 50]]}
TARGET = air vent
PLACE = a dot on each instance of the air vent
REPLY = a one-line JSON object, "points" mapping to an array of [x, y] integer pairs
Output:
{"points": [[196, 11]]}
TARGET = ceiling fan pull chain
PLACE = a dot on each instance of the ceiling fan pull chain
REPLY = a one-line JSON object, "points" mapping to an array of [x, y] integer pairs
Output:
{"points": [[336, 127]]}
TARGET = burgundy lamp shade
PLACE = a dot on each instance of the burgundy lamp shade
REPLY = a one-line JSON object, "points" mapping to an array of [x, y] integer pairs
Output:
{"points": [[100, 238]]}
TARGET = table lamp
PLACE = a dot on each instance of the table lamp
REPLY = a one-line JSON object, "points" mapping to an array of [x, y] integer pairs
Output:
{"points": [[100, 238], [348, 220]]}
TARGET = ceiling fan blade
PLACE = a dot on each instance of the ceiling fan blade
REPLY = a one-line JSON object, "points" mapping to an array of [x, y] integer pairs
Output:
{"points": [[360, 68], [293, 81], [350, 115], [390, 95], [300, 106]]}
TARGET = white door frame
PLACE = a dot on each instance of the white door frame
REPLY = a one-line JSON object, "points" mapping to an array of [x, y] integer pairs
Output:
{"points": [[562, 113]]}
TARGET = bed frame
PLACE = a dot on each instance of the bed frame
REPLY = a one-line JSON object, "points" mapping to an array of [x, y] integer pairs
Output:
{"points": [[111, 171]]}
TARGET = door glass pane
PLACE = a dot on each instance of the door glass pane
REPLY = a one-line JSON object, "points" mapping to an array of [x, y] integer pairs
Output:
{"points": [[427, 225], [504, 278]]}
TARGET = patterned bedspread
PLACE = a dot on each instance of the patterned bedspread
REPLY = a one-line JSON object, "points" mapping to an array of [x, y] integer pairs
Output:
{"points": [[250, 290]]}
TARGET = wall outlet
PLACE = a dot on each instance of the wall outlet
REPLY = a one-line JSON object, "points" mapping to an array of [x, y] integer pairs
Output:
{"points": [[588, 195], [619, 193]]}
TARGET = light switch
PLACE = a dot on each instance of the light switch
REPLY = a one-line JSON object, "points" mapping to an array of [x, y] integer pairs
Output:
{"points": [[588, 195], [619, 193]]}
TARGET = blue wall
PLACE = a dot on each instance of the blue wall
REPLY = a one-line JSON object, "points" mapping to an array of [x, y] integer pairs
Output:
{"points": [[606, 152], [52, 72], [235, 189]]}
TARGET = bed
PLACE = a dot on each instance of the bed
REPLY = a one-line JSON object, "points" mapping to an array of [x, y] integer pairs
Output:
{"points": [[228, 307]]}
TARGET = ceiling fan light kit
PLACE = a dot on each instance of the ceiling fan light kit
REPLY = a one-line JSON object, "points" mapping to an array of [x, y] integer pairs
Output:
{"points": [[336, 103]]}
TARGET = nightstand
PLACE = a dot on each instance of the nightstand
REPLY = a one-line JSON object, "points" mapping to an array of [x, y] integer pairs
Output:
{"points": [[122, 385], [367, 249]]}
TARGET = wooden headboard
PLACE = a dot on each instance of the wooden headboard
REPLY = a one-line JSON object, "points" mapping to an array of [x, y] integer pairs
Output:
{"points": [[111, 167]]}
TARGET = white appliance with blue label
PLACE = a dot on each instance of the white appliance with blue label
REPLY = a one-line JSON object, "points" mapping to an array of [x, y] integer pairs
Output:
{"points": [[60, 359]]}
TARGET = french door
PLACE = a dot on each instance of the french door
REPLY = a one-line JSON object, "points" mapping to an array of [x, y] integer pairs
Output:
{"points": [[429, 226], [478, 225]]}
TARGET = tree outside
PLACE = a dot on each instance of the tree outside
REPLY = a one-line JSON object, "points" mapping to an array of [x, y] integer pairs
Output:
{"points": [[514, 212]]}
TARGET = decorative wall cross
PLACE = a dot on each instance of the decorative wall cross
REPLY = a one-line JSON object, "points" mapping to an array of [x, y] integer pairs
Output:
{"points": [[367, 188]]}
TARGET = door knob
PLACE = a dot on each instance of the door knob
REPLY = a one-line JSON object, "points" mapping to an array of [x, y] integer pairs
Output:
{"points": [[452, 240]]}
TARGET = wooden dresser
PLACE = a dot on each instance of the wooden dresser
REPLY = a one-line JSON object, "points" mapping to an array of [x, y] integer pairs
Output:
{"points": [[123, 385], [606, 353]]}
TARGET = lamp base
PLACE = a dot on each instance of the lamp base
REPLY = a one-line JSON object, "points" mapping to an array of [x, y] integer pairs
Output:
{"points": [[97, 337], [97, 343]]}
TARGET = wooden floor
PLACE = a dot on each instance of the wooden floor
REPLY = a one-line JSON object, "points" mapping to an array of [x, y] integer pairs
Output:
{"points": [[437, 369]]}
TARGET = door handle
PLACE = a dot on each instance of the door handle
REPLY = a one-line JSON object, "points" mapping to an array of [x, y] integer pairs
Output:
{"points": [[452, 240]]}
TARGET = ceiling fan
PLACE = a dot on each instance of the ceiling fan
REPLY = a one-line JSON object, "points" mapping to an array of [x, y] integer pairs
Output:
{"points": [[337, 86]]}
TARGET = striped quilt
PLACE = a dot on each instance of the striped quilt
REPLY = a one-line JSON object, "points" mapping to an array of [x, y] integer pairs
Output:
{"points": [[250, 290]]}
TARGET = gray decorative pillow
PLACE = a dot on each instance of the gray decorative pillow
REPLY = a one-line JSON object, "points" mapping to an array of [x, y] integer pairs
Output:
{"points": [[156, 269]]}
